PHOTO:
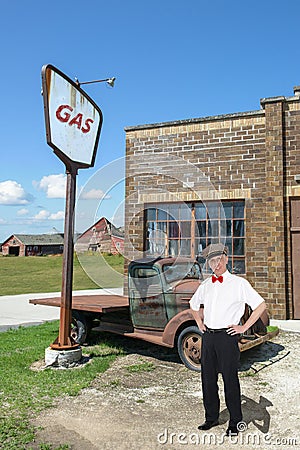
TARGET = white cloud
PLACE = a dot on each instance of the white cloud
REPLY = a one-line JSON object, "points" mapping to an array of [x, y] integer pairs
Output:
{"points": [[12, 193], [22, 212], [57, 216], [42, 215], [94, 194], [53, 185], [46, 215]]}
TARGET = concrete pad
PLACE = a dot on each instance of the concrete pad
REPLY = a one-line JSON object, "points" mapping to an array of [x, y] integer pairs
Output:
{"points": [[286, 325], [62, 358]]}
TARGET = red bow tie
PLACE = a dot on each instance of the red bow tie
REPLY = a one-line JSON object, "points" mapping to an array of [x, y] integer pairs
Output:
{"points": [[220, 278]]}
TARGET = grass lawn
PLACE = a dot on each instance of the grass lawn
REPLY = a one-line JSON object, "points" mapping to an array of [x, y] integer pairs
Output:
{"points": [[24, 392], [34, 274]]}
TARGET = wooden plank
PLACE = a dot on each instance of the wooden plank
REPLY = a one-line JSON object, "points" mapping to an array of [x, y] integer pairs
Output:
{"points": [[259, 340], [295, 240], [92, 303]]}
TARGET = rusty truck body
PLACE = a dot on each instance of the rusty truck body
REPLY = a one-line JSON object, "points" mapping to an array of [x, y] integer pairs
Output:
{"points": [[156, 309]]}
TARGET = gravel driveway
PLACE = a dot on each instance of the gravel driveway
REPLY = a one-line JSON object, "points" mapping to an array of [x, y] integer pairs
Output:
{"points": [[149, 400]]}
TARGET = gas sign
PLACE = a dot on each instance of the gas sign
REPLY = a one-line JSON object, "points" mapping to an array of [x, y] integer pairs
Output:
{"points": [[73, 120]]}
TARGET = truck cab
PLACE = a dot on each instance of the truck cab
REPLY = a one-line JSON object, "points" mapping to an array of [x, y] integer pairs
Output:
{"points": [[160, 289]]}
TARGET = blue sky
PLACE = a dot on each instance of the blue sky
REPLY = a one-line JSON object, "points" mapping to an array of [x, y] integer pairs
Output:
{"points": [[172, 60]]}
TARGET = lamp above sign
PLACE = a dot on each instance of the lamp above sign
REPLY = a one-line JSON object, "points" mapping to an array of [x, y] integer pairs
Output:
{"points": [[73, 120]]}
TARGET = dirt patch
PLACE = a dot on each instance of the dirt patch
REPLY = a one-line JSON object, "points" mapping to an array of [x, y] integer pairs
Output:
{"points": [[149, 400]]}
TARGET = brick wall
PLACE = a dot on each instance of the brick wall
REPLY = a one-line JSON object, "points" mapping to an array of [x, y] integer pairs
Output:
{"points": [[246, 156], [275, 223]]}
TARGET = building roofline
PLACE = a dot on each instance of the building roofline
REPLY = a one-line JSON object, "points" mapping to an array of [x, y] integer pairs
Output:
{"points": [[260, 112], [37, 239]]}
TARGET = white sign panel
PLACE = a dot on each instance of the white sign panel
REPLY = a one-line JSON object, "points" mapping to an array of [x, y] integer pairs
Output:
{"points": [[73, 120]]}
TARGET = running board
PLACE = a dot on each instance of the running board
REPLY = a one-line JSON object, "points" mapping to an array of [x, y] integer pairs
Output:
{"points": [[150, 336]]}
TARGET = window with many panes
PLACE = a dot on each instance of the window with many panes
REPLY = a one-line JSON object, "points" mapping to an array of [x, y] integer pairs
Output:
{"points": [[185, 229]]}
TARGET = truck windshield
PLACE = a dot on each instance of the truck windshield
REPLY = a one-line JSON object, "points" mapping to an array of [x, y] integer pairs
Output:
{"points": [[181, 271]]}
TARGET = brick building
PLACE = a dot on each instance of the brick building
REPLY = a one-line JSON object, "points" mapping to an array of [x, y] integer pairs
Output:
{"points": [[232, 178]]}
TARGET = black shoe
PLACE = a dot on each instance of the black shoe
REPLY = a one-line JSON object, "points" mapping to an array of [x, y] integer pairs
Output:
{"points": [[208, 424], [232, 431]]}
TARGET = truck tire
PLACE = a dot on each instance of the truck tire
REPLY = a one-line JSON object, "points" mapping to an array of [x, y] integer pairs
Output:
{"points": [[259, 328], [79, 327], [189, 347]]}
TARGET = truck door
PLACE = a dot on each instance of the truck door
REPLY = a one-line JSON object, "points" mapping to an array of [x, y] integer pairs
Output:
{"points": [[147, 301]]}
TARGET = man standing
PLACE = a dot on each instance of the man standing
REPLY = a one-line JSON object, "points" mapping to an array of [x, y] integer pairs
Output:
{"points": [[217, 306]]}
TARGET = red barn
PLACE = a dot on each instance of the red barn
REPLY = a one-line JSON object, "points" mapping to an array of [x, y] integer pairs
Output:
{"points": [[103, 236]]}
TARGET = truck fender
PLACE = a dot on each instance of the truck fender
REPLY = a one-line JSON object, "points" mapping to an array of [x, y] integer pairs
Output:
{"points": [[170, 331]]}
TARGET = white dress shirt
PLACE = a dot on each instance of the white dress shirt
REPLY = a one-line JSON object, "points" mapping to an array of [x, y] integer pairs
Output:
{"points": [[224, 303]]}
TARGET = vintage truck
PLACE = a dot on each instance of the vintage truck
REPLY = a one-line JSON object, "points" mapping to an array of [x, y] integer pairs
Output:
{"points": [[155, 310]]}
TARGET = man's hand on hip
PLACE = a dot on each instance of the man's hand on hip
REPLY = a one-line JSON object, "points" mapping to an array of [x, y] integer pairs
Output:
{"points": [[236, 329]]}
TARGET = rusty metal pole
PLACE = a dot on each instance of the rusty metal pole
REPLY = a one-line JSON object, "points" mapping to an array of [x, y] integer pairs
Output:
{"points": [[64, 340]]}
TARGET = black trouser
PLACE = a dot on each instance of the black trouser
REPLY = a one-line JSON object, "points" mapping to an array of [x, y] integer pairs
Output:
{"points": [[220, 353]]}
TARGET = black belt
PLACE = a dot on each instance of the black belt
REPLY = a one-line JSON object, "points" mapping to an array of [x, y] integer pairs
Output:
{"points": [[215, 330]]}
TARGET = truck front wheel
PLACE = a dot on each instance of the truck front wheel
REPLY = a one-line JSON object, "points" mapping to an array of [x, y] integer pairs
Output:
{"points": [[189, 347], [79, 327]]}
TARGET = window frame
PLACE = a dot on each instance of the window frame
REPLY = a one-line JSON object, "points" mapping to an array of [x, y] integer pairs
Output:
{"points": [[228, 218]]}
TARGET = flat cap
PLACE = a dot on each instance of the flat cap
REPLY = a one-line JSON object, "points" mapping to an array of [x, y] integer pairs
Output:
{"points": [[213, 250]]}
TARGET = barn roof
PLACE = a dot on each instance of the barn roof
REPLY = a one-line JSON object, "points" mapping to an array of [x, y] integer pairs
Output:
{"points": [[111, 228], [114, 231], [40, 239]]}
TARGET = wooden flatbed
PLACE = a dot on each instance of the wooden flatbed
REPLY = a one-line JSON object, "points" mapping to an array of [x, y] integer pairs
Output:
{"points": [[105, 304], [90, 303]]}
